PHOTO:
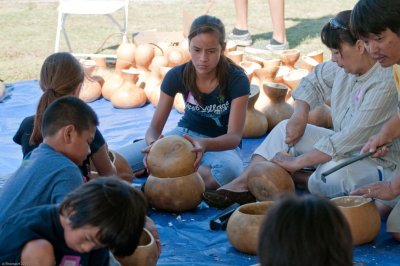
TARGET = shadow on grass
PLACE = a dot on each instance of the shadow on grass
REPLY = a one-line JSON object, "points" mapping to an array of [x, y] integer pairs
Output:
{"points": [[304, 29]]}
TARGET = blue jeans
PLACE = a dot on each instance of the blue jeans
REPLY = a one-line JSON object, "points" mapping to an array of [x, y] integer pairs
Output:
{"points": [[225, 165]]}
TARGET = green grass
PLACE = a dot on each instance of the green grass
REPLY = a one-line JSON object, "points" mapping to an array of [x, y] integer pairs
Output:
{"points": [[29, 27]]}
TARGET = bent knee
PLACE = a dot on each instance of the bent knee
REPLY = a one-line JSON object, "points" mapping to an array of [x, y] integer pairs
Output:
{"points": [[38, 252]]}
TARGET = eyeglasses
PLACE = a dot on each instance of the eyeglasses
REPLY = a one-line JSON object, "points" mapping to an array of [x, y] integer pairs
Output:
{"points": [[336, 25]]}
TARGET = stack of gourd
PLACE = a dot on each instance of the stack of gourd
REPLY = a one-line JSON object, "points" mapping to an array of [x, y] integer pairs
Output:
{"points": [[137, 75], [277, 78], [173, 184]]}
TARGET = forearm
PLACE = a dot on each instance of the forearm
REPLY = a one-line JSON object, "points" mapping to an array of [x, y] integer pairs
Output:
{"points": [[152, 135], [292, 164], [312, 158], [224, 142], [301, 110], [391, 129], [102, 163]]}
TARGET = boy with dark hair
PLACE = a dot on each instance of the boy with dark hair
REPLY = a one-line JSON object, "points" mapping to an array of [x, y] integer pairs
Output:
{"points": [[377, 23], [51, 171], [106, 214], [307, 231]]}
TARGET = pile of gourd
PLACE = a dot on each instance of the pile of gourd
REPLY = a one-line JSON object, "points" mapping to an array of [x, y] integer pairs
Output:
{"points": [[273, 81], [139, 70]]}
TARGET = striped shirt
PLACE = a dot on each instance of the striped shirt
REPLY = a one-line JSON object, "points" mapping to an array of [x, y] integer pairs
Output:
{"points": [[360, 105]]}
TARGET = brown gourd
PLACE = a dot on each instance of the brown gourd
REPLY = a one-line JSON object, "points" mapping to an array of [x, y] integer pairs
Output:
{"points": [[144, 55], [124, 170], [289, 57], [128, 95], [256, 124], [146, 252], [317, 55], [171, 156], [362, 216], [174, 194], [308, 63], [91, 89], [321, 116], [111, 83], [277, 109], [261, 76], [265, 180], [125, 54], [153, 80], [244, 226]]}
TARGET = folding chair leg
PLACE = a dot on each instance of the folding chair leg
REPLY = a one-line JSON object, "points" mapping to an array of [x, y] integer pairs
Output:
{"points": [[59, 27], [65, 32]]}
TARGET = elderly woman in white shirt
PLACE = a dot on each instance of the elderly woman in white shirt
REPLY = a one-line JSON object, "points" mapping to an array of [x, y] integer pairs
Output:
{"points": [[363, 97]]}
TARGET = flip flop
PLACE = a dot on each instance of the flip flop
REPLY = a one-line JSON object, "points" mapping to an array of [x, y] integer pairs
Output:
{"points": [[223, 198]]}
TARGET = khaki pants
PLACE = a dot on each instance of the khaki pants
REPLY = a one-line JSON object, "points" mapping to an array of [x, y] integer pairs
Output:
{"points": [[393, 221]]}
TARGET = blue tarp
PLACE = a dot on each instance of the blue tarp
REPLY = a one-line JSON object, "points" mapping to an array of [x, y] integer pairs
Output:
{"points": [[186, 237]]}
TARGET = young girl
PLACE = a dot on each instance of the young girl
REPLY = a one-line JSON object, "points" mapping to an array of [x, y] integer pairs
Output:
{"points": [[61, 75], [216, 92]]}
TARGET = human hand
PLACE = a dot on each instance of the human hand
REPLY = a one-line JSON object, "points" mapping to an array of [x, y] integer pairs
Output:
{"points": [[147, 150], [373, 144], [295, 128], [151, 226], [198, 148], [286, 161], [381, 190]]}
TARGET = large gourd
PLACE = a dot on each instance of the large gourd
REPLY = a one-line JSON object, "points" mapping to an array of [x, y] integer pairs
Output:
{"points": [[265, 180], [171, 156], [277, 109], [256, 124], [362, 215], [244, 226], [125, 54]]}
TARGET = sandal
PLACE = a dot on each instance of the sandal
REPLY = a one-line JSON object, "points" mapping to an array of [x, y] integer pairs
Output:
{"points": [[223, 198]]}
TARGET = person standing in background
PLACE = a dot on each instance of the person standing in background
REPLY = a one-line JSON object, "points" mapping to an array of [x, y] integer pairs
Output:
{"points": [[241, 35]]}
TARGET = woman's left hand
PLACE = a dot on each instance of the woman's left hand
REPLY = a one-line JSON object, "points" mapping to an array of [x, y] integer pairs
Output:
{"points": [[286, 161], [198, 148]]}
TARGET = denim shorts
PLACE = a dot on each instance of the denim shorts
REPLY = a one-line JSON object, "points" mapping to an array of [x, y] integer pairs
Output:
{"points": [[225, 165]]}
